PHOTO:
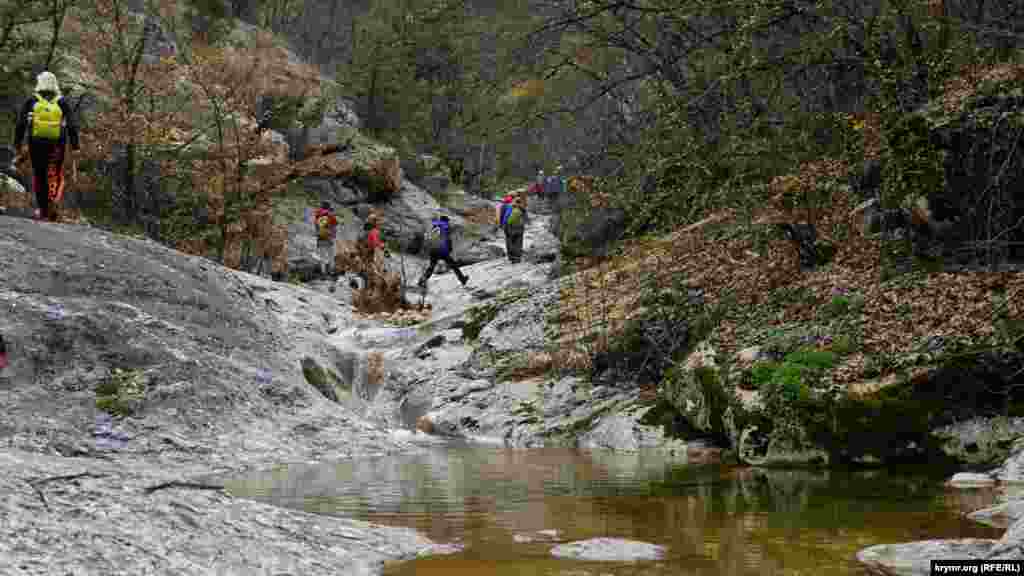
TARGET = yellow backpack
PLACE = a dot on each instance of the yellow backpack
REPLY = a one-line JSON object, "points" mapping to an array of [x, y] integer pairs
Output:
{"points": [[47, 119]]}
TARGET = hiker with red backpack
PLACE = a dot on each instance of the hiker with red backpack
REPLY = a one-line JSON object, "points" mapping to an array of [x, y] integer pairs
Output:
{"points": [[325, 226], [47, 123]]}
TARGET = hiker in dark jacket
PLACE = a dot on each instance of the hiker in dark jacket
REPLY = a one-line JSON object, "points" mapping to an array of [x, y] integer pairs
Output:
{"points": [[47, 122], [439, 245], [515, 229]]}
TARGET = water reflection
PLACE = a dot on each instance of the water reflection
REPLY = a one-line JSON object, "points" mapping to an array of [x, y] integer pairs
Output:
{"points": [[714, 520]]}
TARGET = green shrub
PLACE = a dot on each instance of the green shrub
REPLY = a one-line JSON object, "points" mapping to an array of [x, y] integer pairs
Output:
{"points": [[817, 359], [838, 306], [788, 380], [762, 372], [844, 345]]}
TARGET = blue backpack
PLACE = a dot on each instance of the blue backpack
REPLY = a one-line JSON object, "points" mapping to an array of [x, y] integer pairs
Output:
{"points": [[437, 239], [506, 209]]}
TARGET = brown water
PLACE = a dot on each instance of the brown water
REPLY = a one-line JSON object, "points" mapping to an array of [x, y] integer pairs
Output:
{"points": [[714, 520]]}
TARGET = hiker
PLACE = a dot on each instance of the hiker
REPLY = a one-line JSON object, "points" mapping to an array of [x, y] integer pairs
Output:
{"points": [[439, 245], [47, 123], [369, 247], [515, 228], [325, 225]]}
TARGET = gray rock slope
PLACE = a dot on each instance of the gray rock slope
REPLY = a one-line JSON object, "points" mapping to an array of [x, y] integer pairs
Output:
{"points": [[212, 372], [216, 387]]}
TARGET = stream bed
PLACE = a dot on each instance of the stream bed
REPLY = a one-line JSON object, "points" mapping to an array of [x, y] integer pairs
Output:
{"points": [[504, 509]]}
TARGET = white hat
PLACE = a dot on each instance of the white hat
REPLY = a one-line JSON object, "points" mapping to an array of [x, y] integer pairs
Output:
{"points": [[47, 82]]}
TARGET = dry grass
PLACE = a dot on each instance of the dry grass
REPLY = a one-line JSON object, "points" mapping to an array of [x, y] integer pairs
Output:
{"points": [[374, 369], [962, 86], [535, 365], [597, 302]]}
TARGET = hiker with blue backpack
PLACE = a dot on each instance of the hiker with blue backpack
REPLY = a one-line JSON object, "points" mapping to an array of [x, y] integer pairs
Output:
{"points": [[47, 121], [503, 210], [439, 247], [514, 226]]}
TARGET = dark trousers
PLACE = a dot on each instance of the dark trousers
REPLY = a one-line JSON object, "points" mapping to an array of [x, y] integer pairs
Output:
{"points": [[47, 174], [434, 258], [514, 243]]}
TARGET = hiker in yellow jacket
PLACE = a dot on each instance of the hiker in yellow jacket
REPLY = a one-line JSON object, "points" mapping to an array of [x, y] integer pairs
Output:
{"points": [[47, 121]]}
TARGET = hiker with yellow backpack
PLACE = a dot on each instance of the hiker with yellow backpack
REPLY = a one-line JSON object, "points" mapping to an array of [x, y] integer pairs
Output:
{"points": [[515, 228], [325, 224], [47, 121]]}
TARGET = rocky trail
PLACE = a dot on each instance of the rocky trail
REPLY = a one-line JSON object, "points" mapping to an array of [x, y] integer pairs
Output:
{"points": [[211, 372], [141, 379]]}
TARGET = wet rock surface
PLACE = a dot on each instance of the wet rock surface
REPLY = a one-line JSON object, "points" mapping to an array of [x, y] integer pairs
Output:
{"points": [[201, 367], [141, 378], [914, 558], [608, 550]]}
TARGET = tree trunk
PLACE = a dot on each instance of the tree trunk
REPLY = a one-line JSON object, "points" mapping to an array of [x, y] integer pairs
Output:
{"points": [[371, 102], [129, 183], [59, 10]]}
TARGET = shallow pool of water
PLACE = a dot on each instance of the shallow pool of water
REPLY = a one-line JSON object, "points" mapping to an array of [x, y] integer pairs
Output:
{"points": [[713, 520]]}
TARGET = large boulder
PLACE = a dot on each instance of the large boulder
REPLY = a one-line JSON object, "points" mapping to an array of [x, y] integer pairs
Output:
{"points": [[915, 558], [371, 167], [405, 217], [981, 441], [14, 199], [976, 143], [609, 550], [589, 232]]}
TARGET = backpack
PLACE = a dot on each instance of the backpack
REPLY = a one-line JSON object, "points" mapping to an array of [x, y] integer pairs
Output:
{"points": [[47, 119], [515, 217], [506, 209], [435, 240], [323, 227]]}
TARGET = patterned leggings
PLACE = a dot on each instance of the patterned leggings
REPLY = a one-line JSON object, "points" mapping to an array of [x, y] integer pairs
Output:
{"points": [[47, 176]]}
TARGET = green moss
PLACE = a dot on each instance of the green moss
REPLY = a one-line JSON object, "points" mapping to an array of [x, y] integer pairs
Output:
{"points": [[476, 318], [114, 405], [480, 316], [121, 393], [324, 380]]}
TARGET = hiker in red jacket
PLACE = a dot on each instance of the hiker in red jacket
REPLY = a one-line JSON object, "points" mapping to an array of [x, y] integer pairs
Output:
{"points": [[369, 248]]}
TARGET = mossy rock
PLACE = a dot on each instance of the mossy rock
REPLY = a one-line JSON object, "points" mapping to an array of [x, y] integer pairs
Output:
{"points": [[701, 398], [122, 393], [325, 380], [477, 318]]}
